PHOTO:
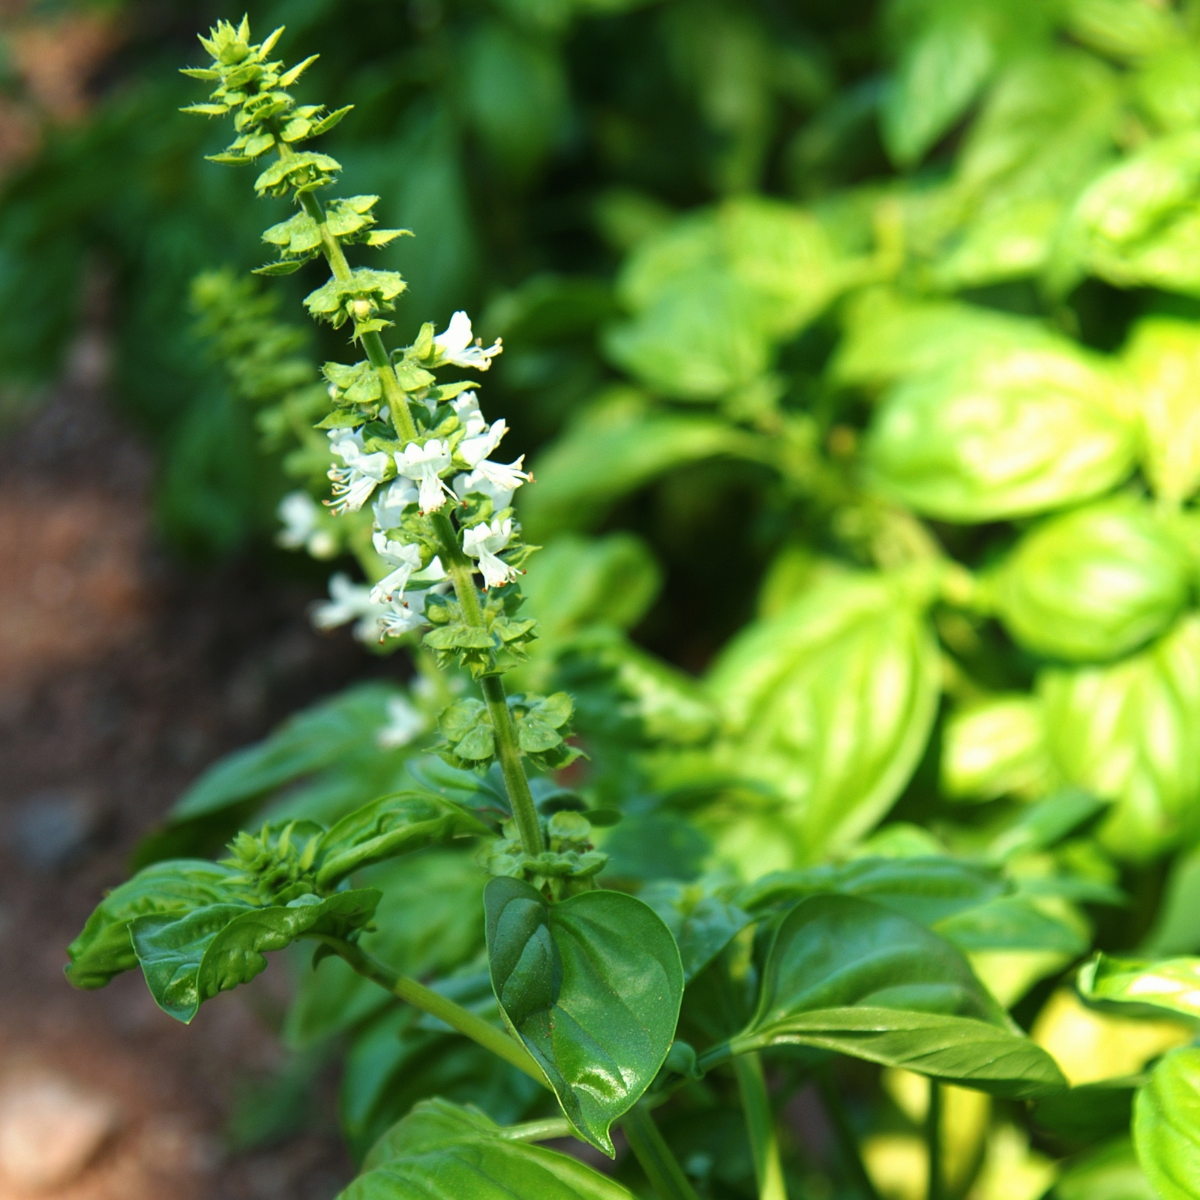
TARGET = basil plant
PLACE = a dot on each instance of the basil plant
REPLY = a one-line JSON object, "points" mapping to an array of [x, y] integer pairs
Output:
{"points": [[554, 889]]}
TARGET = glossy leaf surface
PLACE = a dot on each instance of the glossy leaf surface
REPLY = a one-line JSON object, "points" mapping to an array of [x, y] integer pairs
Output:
{"points": [[103, 948], [847, 975], [190, 959], [387, 827], [442, 1149], [592, 986]]}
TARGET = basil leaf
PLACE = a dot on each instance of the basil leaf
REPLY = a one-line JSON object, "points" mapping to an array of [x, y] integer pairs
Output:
{"points": [[177, 886], [1166, 1125], [1054, 423], [1109, 1173], [592, 986], [387, 827], [847, 975], [1123, 732], [1171, 984], [440, 1149], [830, 702], [187, 960], [701, 922], [923, 889], [1013, 923]]}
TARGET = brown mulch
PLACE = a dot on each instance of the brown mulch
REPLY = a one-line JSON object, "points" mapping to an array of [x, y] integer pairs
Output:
{"points": [[122, 675]]}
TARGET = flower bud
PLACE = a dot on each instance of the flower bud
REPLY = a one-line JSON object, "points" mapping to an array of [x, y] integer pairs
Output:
{"points": [[1093, 584], [360, 310]]}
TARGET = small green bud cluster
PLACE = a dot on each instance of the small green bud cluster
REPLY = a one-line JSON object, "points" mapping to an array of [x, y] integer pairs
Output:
{"points": [[278, 861], [569, 866], [541, 722]]}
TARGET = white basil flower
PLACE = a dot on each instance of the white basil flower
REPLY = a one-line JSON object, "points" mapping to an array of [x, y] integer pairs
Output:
{"points": [[404, 557], [361, 475], [392, 501], [455, 345], [405, 722], [425, 464], [406, 613], [466, 409], [300, 516], [349, 601], [475, 449], [484, 542], [497, 481]]}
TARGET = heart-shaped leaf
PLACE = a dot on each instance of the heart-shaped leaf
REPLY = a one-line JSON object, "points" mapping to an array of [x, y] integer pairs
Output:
{"points": [[592, 987], [174, 887], [387, 827], [1172, 984], [847, 975], [1166, 1125], [187, 960], [440, 1149]]}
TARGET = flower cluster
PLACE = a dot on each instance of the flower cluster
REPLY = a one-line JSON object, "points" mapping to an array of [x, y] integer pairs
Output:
{"points": [[447, 466]]}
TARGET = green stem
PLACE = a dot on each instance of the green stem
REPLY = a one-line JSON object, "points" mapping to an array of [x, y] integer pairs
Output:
{"points": [[847, 1138], [454, 1015], [760, 1123], [933, 1139], [461, 572], [652, 1152]]}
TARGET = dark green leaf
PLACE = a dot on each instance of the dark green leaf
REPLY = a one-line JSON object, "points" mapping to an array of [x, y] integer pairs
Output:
{"points": [[389, 826], [190, 959], [924, 889], [103, 948], [847, 975], [592, 986], [701, 921], [440, 1149]]}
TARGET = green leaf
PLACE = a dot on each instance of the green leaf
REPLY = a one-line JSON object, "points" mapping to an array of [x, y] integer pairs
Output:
{"points": [[576, 582], [387, 827], [847, 975], [1003, 434], [1109, 1173], [830, 702], [1126, 733], [1094, 584], [592, 987], [1164, 357], [1138, 224], [926, 890], [1123, 28], [1013, 923], [190, 959], [701, 921], [175, 887], [285, 267], [1171, 984], [311, 739], [1166, 1125], [614, 449], [995, 747], [441, 1149]]}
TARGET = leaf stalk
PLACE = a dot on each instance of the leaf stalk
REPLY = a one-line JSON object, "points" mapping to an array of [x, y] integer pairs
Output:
{"points": [[760, 1124], [655, 1156]]}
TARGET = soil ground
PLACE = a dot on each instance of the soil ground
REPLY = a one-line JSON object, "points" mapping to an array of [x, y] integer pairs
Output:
{"points": [[122, 676]]}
